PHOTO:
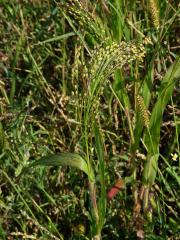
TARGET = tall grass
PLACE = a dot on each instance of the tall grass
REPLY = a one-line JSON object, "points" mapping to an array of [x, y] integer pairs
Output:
{"points": [[89, 89]]}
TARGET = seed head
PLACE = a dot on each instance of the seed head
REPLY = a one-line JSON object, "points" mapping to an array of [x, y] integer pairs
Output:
{"points": [[143, 110], [154, 11]]}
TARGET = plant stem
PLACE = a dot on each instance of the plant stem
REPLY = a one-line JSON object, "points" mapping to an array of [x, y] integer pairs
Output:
{"points": [[92, 188]]}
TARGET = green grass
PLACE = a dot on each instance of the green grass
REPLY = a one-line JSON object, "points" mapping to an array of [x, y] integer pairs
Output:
{"points": [[89, 94]]}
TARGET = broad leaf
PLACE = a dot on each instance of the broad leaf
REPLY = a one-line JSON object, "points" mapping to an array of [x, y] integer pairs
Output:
{"points": [[65, 159]]}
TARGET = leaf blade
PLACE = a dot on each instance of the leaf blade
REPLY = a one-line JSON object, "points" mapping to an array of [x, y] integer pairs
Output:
{"points": [[65, 159]]}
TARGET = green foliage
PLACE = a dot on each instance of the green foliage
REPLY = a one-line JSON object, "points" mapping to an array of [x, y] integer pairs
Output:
{"points": [[101, 166], [65, 159], [164, 94], [89, 87]]}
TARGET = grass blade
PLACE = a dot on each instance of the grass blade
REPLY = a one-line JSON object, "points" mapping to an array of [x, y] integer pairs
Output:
{"points": [[65, 159], [100, 154], [152, 135]]}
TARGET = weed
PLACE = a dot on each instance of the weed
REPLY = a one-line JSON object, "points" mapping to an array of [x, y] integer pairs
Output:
{"points": [[89, 96]]}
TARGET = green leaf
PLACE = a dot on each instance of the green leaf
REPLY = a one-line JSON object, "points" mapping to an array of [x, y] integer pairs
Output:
{"points": [[165, 93], [58, 38], [152, 135], [65, 159], [150, 169], [101, 170]]}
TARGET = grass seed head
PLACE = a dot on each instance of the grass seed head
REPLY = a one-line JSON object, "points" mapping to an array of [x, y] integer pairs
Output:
{"points": [[77, 11], [143, 110], [154, 12], [106, 58]]}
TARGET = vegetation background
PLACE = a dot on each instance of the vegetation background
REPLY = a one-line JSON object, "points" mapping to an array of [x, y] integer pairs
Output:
{"points": [[100, 79]]}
